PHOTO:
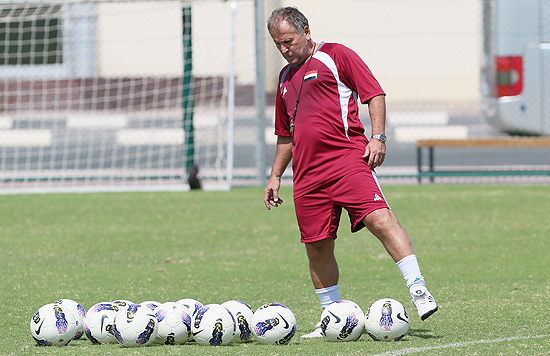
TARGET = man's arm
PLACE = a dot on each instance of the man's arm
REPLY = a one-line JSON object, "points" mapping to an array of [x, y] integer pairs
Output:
{"points": [[375, 152], [283, 156]]}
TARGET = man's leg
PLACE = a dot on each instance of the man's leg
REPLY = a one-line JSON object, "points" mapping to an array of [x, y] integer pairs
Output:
{"points": [[324, 275], [322, 263], [383, 224]]}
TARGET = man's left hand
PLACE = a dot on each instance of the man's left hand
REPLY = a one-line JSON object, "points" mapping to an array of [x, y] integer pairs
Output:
{"points": [[375, 153]]}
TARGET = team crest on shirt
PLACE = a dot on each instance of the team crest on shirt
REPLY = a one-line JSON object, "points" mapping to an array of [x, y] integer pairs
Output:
{"points": [[284, 91], [312, 74]]}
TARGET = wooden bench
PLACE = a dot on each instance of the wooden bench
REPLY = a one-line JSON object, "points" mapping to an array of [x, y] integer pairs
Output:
{"points": [[476, 142]]}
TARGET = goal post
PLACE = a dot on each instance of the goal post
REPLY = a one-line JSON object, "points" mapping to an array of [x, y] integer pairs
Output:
{"points": [[187, 98], [129, 95]]}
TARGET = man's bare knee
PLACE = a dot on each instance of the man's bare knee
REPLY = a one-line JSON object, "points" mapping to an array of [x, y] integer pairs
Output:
{"points": [[380, 220], [320, 249]]}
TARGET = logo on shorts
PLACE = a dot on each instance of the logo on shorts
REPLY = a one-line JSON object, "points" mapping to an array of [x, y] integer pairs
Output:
{"points": [[377, 197]]}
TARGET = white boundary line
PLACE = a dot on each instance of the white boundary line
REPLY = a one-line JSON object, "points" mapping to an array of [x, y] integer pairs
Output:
{"points": [[412, 350]]}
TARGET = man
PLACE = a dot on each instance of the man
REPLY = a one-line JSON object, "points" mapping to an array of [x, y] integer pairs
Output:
{"points": [[318, 128]]}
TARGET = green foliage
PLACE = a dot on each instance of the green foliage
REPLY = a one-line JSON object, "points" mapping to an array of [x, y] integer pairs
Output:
{"points": [[483, 251]]}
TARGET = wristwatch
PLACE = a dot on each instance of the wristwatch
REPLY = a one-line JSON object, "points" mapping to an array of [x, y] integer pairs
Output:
{"points": [[380, 137]]}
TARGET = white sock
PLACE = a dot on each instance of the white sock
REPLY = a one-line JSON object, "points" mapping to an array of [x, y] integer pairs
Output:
{"points": [[411, 271], [328, 295]]}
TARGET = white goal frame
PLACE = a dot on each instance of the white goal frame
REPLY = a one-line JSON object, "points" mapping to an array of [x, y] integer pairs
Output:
{"points": [[133, 140]]}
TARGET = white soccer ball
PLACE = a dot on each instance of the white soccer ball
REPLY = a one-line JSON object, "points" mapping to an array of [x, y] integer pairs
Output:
{"points": [[243, 319], [342, 320], [79, 314], [174, 324], [273, 323], [192, 305], [99, 322], [213, 325], [53, 325], [122, 303], [151, 304], [387, 319], [135, 326]]}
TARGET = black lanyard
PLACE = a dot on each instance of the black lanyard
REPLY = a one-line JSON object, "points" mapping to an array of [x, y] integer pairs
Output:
{"points": [[299, 93]]}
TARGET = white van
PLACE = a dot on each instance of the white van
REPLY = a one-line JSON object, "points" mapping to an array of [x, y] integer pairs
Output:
{"points": [[515, 73]]}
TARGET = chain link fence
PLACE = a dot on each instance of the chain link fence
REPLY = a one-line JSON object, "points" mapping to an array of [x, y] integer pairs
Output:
{"points": [[101, 93]]}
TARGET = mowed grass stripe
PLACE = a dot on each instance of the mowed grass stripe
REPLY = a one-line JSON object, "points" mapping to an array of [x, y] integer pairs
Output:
{"points": [[483, 251]]}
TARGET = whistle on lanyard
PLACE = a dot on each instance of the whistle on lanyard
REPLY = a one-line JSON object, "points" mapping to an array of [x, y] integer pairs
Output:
{"points": [[294, 116]]}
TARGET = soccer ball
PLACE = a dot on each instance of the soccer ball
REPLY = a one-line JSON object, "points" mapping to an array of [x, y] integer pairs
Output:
{"points": [[387, 319], [174, 324], [243, 317], [213, 325], [273, 323], [53, 325], [79, 314], [342, 320], [135, 326], [151, 304], [99, 322], [192, 305], [122, 303]]}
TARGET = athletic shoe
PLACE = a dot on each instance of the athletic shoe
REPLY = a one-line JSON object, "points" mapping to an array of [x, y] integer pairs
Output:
{"points": [[424, 302], [315, 333]]}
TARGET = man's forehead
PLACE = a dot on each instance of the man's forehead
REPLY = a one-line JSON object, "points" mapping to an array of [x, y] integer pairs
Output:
{"points": [[283, 29]]}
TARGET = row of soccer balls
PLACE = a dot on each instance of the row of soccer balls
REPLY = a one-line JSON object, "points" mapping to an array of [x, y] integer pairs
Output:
{"points": [[187, 320]]}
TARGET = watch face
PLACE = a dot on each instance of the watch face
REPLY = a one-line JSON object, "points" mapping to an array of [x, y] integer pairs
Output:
{"points": [[380, 137]]}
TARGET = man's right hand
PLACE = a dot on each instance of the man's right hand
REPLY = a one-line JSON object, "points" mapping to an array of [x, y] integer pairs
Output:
{"points": [[271, 192]]}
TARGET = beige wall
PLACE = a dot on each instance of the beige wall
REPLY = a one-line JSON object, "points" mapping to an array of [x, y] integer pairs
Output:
{"points": [[426, 50], [139, 39], [421, 51], [212, 39]]}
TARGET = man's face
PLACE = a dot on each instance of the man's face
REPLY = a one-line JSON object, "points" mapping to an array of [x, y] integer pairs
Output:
{"points": [[293, 46]]}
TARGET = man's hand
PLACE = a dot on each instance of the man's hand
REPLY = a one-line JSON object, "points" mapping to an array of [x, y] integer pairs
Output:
{"points": [[375, 153], [271, 192]]}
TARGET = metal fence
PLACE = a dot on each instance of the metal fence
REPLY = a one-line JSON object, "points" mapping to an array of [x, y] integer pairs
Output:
{"points": [[94, 93]]}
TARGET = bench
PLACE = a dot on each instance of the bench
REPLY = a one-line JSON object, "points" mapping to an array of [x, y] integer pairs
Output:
{"points": [[430, 145]]}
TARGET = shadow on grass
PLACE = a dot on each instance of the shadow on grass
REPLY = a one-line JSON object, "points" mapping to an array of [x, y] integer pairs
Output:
{"points": [[423, 334]]}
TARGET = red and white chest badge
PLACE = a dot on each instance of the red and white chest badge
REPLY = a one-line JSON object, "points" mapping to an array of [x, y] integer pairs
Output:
{"points": [[312, 74]]}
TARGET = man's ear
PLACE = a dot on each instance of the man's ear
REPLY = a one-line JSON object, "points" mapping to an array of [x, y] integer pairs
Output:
{"points": [[307, 33]]}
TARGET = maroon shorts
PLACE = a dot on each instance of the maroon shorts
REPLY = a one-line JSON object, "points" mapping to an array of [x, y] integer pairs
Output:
{"points": [[318, 212]]}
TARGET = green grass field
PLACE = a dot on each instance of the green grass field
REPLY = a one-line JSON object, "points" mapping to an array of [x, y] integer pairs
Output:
{"points": [[484, 251]]}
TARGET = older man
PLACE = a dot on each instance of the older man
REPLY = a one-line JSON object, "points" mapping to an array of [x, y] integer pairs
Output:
{"points": [[318, 128]]}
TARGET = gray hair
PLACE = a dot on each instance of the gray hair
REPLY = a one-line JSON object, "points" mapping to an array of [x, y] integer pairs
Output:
{"points": [[290, 14]]}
